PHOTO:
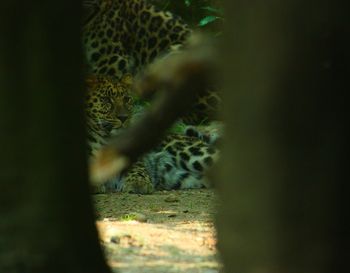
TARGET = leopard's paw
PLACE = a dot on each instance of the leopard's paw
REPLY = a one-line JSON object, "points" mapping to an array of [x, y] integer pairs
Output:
{"points": [[138, 184]]}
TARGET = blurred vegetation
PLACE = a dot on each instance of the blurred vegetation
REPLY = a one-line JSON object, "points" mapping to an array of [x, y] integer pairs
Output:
{"points": [[206, 14]]}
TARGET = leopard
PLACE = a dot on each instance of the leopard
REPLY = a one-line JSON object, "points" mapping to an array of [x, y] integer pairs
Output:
{"points": [[108, 106], [121, 36], [180, 161], [124, 37]]}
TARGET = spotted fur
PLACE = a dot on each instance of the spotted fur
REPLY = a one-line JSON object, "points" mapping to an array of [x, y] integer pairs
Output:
{"points": [[108, 107], [179, 162], [123, 36]]}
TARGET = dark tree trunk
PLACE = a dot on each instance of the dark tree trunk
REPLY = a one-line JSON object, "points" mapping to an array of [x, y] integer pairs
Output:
{"points": [[46, 217], [283, 191]]}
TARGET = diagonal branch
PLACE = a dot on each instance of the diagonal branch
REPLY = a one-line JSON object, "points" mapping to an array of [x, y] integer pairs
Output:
{"points": [[180, 77]]}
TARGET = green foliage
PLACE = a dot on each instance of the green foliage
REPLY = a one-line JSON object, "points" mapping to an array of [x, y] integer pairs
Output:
{"points": [[207, 19], [188, 2], [213, 10], [128, 217], [178, 128], [207, 14]]}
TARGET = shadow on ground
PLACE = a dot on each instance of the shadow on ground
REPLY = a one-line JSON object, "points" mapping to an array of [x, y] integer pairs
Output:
{"points": [[163, 232]]}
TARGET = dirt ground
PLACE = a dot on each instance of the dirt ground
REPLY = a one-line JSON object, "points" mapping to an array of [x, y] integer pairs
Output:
{"points": [[163, 232]]}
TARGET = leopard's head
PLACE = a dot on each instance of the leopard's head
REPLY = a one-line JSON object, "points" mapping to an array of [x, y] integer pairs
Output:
{"points": [[108, 103]]}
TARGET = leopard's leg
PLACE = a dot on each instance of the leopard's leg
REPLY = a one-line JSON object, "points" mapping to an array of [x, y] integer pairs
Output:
{"points": [[137, 180], [183, 162], [205, 109], [107, 187], [210, 133]]}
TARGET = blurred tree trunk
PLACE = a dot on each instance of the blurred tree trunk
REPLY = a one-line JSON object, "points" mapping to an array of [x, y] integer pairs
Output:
{"points": [[46, 217], [283, 188]]}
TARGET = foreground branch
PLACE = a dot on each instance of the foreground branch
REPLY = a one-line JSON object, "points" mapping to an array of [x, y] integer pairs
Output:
{"points": [[180, 78]]}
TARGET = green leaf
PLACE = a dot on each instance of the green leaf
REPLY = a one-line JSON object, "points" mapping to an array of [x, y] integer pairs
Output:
{"points": [[178, 128], [188, 2], [208, 19], [213, 10]]}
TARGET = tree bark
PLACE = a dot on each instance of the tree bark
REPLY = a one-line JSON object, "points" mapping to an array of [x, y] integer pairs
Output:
{"points": [[46, 215], [283, 189]]}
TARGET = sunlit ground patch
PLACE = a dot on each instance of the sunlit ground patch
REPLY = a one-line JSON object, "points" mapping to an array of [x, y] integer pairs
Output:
{"points": [[175, 234]]}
